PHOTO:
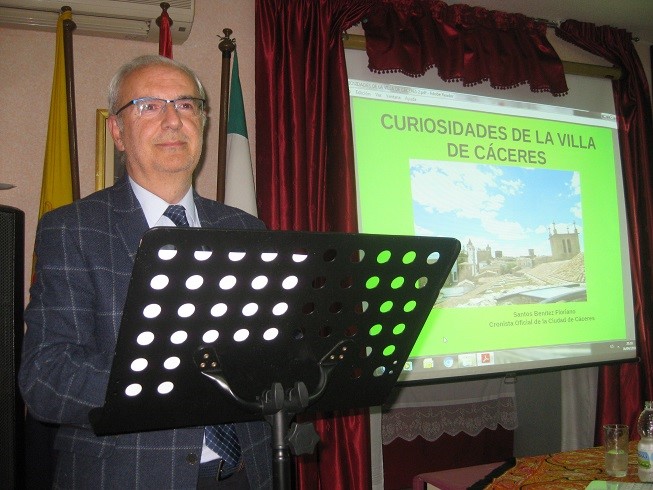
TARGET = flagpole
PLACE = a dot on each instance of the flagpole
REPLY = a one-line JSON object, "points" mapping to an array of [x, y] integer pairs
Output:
{"points": [[69, 27], [227, 46]]}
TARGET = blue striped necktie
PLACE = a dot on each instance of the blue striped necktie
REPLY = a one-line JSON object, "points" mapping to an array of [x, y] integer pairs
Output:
{"points": [[177, 215], [221, 439]]}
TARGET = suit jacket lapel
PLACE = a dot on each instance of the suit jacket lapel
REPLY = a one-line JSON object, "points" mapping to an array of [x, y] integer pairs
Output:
{"points": [[130, 223], [201, 213]]}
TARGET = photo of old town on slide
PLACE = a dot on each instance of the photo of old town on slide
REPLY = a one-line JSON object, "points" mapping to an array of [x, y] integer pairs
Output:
{"points": [[521, 231]]}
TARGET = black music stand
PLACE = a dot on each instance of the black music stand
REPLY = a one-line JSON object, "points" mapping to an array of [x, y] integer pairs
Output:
{"points": [[230, 326]]}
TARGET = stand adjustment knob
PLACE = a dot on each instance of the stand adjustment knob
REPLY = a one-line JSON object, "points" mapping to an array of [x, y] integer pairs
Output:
{"points": [[302, 438]]}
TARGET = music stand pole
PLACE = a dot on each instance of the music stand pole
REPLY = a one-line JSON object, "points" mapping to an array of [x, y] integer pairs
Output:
{"points": [[279, 406]]}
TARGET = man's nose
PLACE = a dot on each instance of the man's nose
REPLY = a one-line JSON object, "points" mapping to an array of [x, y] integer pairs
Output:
{"points": [[170, 115]]}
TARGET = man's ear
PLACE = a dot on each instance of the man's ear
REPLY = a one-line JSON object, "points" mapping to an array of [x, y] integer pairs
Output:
{"points": [[116, 132]]}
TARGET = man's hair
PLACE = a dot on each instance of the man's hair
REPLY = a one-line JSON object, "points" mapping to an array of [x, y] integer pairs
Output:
{"points": [[141, 62]]}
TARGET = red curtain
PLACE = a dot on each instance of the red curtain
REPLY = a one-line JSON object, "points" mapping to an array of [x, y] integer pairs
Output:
{"points": [[623, 388], [304, 173], [467, 44]]}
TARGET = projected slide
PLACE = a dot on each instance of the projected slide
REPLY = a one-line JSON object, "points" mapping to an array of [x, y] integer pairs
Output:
{"points": [[534, 194]]}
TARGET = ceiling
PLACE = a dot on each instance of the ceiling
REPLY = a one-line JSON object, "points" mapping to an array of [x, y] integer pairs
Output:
{"points": [[635, 16]]}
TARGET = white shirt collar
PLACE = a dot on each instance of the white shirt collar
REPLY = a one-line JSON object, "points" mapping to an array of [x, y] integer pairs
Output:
{"points": [[154, 207]]}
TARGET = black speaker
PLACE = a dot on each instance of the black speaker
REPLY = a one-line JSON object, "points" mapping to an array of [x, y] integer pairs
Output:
{"points": [[12, 260]]}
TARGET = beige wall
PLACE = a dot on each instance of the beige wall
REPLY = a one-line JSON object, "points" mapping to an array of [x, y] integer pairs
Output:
{"points": [[26, 66]]}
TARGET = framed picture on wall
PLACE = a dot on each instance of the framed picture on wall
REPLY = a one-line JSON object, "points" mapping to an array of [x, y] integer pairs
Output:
{"points": [[108, 161]]}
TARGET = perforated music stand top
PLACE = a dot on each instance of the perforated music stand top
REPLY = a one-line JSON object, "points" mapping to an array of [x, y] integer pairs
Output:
{"points": [[268, 306]]}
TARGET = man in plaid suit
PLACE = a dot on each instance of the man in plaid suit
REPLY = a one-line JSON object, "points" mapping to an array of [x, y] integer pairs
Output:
{"points": [[85, 254]]}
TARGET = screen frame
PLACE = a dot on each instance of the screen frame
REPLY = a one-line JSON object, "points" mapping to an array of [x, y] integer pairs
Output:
{"points": [[601, 107]]}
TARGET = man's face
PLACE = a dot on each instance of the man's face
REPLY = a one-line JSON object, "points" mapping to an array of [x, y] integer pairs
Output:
{"points": [[166, 146]]}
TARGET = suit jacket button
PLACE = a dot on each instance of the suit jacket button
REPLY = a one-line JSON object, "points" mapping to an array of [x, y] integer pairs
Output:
{"points": [[191, 458]]}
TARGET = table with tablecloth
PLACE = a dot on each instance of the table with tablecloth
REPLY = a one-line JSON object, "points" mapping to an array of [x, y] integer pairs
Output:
{"points": [[568, 470], [564, 470]]}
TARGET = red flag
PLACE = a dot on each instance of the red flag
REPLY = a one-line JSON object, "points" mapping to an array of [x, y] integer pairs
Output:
{"points": [[165, 37]]}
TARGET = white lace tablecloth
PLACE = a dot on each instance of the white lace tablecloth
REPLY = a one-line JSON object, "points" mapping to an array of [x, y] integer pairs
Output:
{"points": [[432, 410]]}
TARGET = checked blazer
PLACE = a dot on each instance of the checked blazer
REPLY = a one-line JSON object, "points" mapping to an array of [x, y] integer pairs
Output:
{"points": [[85, 254]]}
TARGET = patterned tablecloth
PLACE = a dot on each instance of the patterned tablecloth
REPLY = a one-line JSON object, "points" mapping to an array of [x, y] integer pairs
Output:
{"points": [[565, 470]]}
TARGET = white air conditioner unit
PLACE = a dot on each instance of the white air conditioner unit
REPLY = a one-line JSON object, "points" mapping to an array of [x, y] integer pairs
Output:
{"points": [[125, 19]]}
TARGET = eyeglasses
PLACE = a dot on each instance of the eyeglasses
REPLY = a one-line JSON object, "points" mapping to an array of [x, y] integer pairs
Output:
{"points": [[153, 106]]}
